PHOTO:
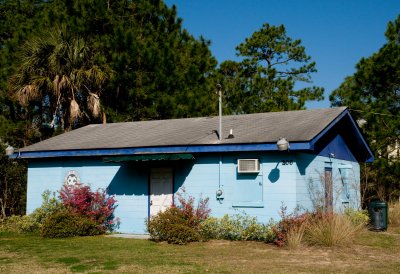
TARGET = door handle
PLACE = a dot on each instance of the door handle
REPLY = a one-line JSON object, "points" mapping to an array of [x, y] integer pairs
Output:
{"points": [[151, 202]]}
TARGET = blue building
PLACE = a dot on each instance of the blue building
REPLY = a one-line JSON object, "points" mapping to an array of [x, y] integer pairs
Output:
{"points": [[145, 163]]}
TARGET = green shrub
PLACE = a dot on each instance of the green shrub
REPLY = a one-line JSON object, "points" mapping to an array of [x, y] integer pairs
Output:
{"points": [[209, 229], [172, 226], [3, 225], [229, 228], [66, 224], [182, 234], [180, 223], [50, 205], [239, 227], [21, 224], [357, 217], [32, 222]]}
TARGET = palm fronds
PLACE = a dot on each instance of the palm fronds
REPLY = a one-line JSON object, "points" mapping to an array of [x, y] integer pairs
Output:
{"points": [[74, 111], [94, 104], [62, 68], [26, 94]]}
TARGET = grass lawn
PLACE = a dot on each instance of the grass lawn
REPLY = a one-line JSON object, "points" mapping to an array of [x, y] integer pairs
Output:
{"points": [[373, 253]]}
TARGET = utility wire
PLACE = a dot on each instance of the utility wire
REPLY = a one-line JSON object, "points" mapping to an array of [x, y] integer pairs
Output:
{"points": [[376, 113]]}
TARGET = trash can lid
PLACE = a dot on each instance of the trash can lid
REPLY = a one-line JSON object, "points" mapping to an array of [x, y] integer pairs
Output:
{"points": [[378, 204]]}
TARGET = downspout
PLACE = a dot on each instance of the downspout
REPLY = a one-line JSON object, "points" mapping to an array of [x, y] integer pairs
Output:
{"points": [[219, 171], [219, 194]]}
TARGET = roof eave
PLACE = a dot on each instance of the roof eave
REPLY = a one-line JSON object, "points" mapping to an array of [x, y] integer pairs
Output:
{"points": [[294, 146]]}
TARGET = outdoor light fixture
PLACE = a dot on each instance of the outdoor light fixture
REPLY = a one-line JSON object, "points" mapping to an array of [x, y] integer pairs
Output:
{"points": [[282, 144], [9, 150]]}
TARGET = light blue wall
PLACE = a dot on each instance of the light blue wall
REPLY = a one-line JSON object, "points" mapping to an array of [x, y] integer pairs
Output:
{"points": [[258, 195], [284, 177], [310, 182], [127, 183]]}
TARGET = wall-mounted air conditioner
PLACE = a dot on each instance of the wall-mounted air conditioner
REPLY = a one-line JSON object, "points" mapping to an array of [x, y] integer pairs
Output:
{"points": [[248, 165]]}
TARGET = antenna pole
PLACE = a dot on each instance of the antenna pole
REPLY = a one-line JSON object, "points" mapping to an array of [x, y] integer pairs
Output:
{"points": [[220, 110]]}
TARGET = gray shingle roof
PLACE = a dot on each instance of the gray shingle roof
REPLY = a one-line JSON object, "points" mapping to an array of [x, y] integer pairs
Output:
{"points": [[296, 126]]}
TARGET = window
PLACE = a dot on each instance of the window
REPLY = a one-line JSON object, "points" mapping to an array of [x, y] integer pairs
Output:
{"points": [[345, 172], [248, 186], [248, 166]]}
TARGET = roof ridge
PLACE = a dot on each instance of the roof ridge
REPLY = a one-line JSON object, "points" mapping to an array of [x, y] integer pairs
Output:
{"points": [[229, 115]]}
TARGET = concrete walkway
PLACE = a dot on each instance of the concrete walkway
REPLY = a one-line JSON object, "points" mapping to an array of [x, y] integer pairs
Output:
{"points": [[130, 236]]}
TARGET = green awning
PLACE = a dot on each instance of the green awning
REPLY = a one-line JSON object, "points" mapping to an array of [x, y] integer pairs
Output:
{"points": [[150, 157]]}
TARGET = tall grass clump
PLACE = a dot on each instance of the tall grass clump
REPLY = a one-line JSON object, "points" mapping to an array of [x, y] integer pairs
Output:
{"points": [[295, 236], [290, 228], [331, 230], [394, 214]]}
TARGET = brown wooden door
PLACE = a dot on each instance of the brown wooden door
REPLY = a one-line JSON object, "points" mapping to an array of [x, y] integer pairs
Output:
{"points": [[328, 190]]}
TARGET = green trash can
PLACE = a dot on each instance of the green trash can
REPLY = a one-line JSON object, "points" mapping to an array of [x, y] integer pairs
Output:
{"points": [[378, 212]]}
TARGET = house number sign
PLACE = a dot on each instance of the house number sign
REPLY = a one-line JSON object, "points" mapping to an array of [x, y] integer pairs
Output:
{"points": [[287, 162]]}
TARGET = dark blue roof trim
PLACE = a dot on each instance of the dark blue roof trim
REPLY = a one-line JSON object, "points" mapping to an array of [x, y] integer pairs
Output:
{"points": [[152, 150], [322, 133], [358, 134]]}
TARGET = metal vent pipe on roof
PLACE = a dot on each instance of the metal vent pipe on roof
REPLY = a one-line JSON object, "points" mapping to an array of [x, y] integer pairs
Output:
{"points": [[219, 87]]}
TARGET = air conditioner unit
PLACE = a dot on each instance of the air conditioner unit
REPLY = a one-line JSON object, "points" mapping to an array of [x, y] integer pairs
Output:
{"points": [[248, 165]]}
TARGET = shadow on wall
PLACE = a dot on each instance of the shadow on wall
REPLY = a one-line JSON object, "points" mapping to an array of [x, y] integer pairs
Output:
{"points": [[275, 174], [132, 178], [182, 170], [304, 161], [302, 164]]}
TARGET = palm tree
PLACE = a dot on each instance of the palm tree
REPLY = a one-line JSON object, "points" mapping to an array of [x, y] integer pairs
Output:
{"points": [[58, 75]]}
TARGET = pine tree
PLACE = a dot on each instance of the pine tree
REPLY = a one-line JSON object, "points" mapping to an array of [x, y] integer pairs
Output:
{"points": [[265, 79], [373, 95]]}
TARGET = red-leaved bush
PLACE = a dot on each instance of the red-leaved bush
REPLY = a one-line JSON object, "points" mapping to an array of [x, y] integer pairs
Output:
{"points": [[193, 214], [95, 205], [287, 223], [179, 224]]}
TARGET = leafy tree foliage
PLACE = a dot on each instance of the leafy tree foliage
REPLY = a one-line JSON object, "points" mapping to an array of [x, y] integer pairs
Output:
{"points": [[67, 63], [162, 69], [12, 186], [18, 18], [266, 78], [373, 93], [70, 50], [58, 83]]}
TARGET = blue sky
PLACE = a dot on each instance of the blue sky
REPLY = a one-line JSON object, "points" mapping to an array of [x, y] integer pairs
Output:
{"points": [[335, 33]]}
